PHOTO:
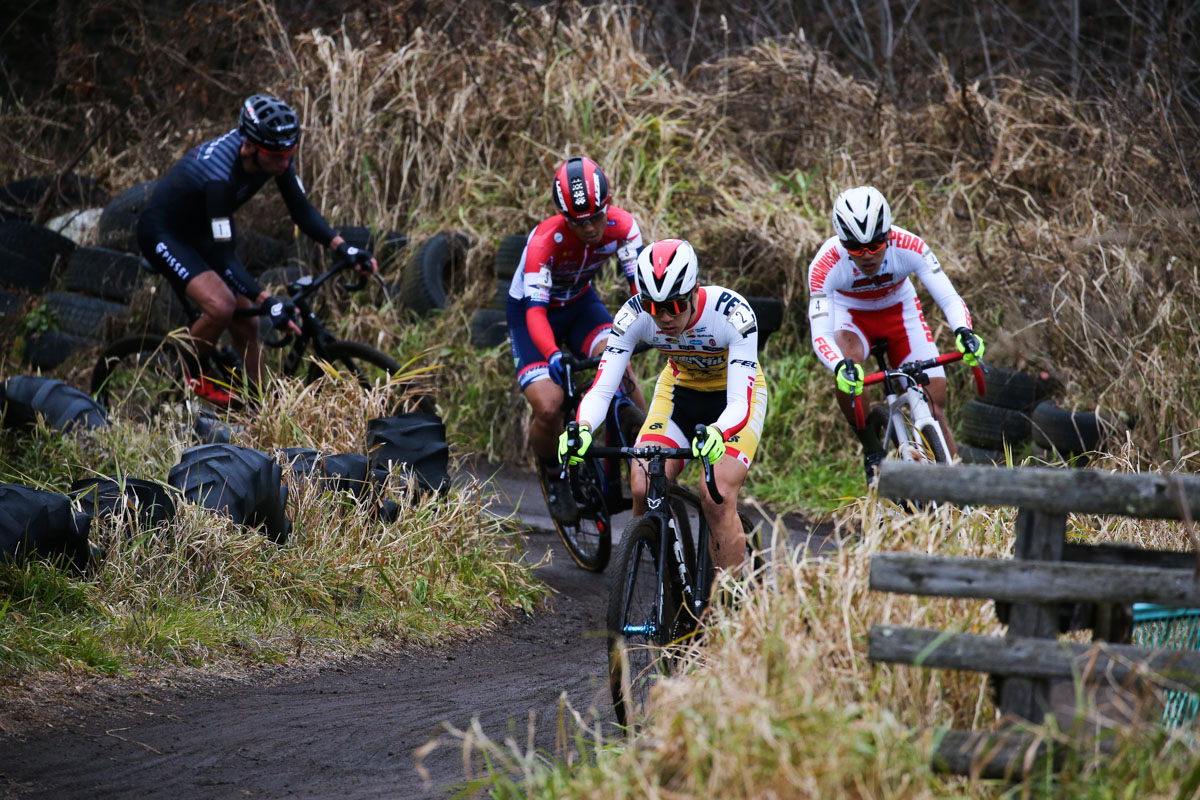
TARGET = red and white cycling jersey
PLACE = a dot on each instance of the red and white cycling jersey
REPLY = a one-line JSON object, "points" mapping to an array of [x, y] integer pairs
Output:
{"points": [[838, 290], [557, 267], [717, 351]]}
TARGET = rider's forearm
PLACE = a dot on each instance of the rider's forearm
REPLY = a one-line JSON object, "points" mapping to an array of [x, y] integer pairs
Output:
{"points": [[820, 325]]}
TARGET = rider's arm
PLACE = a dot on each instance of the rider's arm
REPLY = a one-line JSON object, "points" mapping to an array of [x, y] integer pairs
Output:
{"points": [[219, 206], [930, 271], [820, 308], [626, 333], [306, 217], [627, 253], [739, 387], [536, 281]]}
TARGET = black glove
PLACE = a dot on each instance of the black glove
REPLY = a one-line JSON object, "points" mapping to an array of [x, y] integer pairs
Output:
{"points": [[280, 312], [357, 257]]}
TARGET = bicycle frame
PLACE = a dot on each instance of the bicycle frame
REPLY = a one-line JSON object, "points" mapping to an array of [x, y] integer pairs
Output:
{"points": [[911, 423], [658, 495]]}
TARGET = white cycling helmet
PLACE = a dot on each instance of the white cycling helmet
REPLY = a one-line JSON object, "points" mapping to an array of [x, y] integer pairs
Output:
{"points": [[666, 273], [861, 215]]}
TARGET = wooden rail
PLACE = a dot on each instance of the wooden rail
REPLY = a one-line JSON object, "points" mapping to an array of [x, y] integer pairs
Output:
{"points": [[1032, 581], [1142, 495]]}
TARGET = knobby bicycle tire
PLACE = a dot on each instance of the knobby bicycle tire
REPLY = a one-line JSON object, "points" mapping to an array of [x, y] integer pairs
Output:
{"points": [[140, 373], [590, 540], [642, 619], [931, 444], [361, 360]]}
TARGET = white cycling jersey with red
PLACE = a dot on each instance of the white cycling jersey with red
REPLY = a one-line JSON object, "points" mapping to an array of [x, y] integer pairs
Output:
{"points": [[717, 351], [838, 289], [557, 267]]}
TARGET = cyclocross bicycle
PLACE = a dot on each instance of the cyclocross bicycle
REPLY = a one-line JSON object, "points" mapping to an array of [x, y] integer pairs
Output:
{"points": [[143, 371], [664, 577], [596, 483], [906, 424]]}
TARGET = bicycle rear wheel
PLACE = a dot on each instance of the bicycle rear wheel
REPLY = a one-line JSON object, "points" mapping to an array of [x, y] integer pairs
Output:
{"points": [[589, 541], [642, 617], [136, 375]]}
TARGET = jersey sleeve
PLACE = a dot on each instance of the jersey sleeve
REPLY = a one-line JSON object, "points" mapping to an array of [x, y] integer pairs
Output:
{"points": [[741, 371], [536, 282], [820, 310], [627, 253], [219, 206], [302, 212], [617, 352], [930, 271]]}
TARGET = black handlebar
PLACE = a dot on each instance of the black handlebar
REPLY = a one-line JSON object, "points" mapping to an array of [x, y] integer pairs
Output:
{"points": [[649, 453]]}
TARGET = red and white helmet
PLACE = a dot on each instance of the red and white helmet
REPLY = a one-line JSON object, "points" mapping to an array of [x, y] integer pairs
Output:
{"points": [[580, 188], [667, 273]]}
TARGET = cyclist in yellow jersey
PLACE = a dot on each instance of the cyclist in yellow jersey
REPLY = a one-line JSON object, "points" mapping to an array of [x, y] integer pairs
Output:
{"points": [[712, 377]]}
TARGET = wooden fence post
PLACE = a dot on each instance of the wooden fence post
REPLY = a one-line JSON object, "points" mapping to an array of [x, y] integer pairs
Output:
{"points": [[1040, 536]]}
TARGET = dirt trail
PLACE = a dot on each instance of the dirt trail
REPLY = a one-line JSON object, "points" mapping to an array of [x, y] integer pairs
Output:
{"points": [[347, 731]]}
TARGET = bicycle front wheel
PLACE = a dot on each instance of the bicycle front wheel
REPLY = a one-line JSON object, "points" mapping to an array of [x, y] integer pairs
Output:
{"points": [[589, 541], [642, 616], [137, 375], [933, 446]]}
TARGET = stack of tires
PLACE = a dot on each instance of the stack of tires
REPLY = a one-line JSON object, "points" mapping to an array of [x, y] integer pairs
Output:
{"points": [[1002, 417]]}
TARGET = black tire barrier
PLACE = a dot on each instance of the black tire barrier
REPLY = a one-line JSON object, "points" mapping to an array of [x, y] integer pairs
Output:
{"points": [[991, 426], [1068, 434], [44, 247], [499, 301], [418, 441], [117, 228], [489, 328], [82, 315], [1021, 391], [19, 200], [422, 283], [146, 504], [277, 278], [12, 304], [240, 482], [101, 272], [64, 407], [19, 272], [50, 349], [390, 251], [981, 455], [350, 472], [209, 429], [508, 256], [34, 522], [260, 252]]}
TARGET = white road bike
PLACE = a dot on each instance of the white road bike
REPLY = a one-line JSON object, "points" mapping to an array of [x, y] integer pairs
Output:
{"points": [[906, 424]]}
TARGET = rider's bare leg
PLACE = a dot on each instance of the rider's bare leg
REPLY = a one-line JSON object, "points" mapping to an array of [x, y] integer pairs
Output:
{"points": [[545, 398], [216, 303], [937, 399], [727, 540], [244, 333]]}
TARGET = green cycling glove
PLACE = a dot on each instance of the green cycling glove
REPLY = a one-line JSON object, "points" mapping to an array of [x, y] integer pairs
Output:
{"points": [[849, 376], [713, 446], [970, 345], [573, 451]]}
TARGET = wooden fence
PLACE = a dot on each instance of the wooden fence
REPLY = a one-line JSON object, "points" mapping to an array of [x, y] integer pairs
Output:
{"points": [[1045, 573]]}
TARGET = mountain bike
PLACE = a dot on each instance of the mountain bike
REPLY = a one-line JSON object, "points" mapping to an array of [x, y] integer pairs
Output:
{"points": [[664, 577], [906, 424], [596, 483], [142, 372]]}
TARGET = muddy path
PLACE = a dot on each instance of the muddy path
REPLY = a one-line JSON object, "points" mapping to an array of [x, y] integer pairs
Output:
{"points": [[349, 730]]}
